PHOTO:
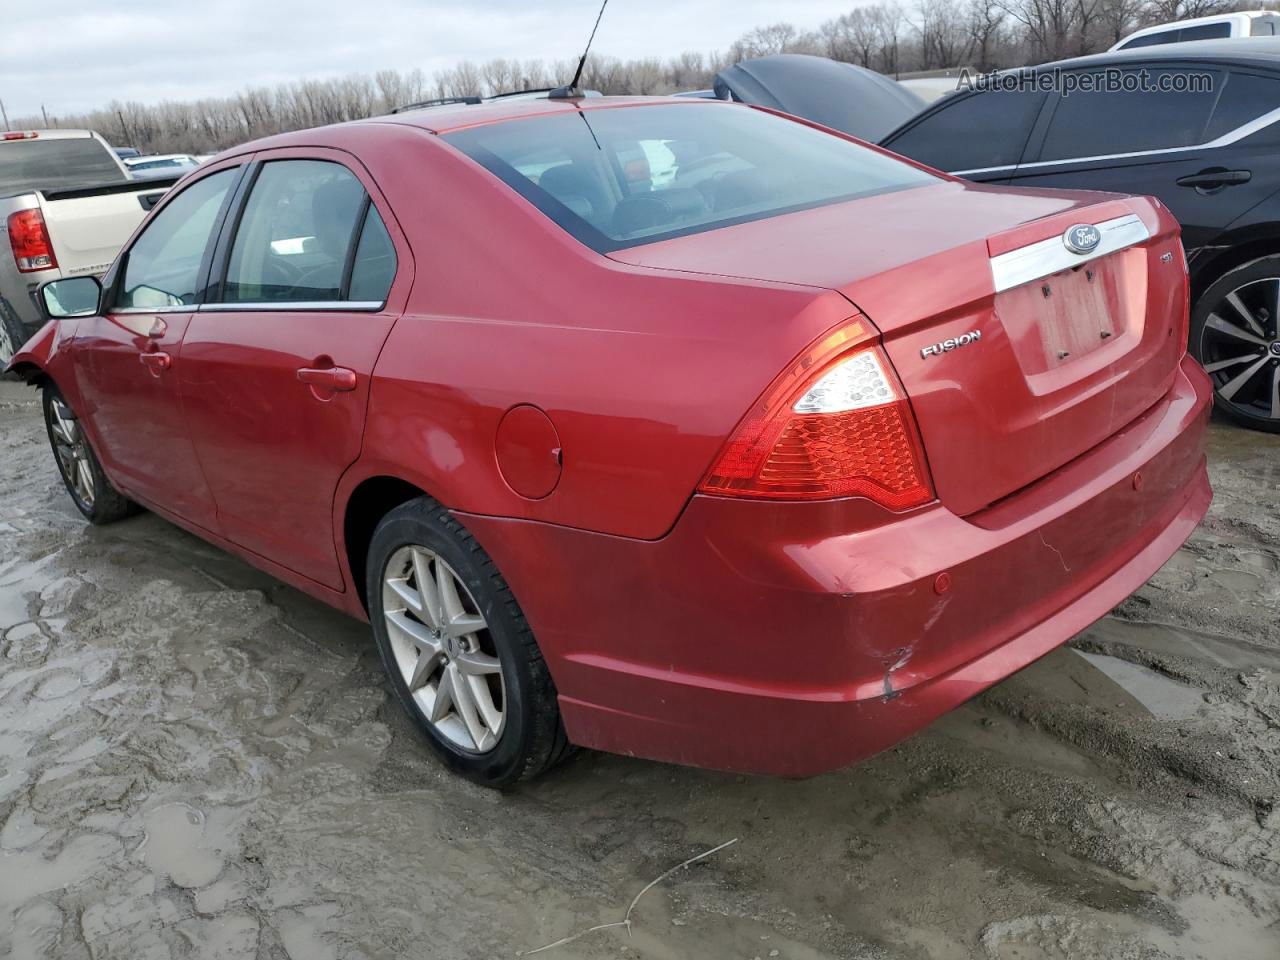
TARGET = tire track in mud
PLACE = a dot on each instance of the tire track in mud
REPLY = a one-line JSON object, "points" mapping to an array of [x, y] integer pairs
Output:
{"points": [[197, 761]]}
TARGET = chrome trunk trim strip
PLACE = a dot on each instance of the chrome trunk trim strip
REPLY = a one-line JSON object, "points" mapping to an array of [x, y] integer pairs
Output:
{"points": [[1046, 257]]}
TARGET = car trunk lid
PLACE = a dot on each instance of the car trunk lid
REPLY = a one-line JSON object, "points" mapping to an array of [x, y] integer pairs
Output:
{"points": [[1017, 354]]}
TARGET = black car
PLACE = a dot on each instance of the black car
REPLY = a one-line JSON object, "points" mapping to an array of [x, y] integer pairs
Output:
{"points": [[1208, 149]]}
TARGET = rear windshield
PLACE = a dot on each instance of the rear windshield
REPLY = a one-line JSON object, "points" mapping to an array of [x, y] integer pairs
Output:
{"points": [[55, 164], [624, 176]]}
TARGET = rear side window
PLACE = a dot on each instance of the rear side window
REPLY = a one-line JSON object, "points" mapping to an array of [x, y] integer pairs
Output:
{"points": [[974, 132], [303, 223], [39, 164], [162, 269], [1206, 31], [1246, 97], [1152, 39], [1092, 124], [375, 263], [619, 177]]}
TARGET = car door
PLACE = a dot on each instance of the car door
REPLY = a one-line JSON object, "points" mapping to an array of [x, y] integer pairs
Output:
{"points": [[1191, 147], [127, 358], [979, 135], [276, 366]]}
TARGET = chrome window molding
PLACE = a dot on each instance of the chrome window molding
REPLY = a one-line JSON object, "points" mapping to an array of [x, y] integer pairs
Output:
{"points": [[183, 308], [1045, 257], [284, 306], [1239, 133]]}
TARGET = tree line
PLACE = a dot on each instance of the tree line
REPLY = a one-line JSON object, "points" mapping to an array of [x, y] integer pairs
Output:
{"points": [[888, 36]]}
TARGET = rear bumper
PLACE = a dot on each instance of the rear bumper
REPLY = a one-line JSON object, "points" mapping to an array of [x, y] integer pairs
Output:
{"points": [[756, 637]]}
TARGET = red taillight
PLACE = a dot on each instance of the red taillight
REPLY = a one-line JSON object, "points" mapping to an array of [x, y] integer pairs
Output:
{"points": [[30, 241], [835, 424]]}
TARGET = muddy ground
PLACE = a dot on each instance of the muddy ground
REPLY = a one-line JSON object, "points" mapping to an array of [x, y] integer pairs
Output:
{"points": [[198, 761]]}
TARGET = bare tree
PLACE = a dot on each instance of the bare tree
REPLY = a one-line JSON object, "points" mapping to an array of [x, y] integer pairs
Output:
{"points": [[944, 42]]}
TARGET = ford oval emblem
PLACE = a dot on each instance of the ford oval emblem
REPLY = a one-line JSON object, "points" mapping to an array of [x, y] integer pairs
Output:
{"points": [[1082, 238]]}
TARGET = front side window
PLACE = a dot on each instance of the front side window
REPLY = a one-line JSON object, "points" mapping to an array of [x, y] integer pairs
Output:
{"points": [[300, 227], [976, 132], [618, 177], [162, 269], [1095, 124]]}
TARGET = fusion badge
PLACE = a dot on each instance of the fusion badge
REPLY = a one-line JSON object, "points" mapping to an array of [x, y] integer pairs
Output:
{"points": [[951, 343]]}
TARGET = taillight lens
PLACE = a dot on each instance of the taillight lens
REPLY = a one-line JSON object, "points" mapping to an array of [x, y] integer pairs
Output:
{"points": [[29, 239], [835, 424]]}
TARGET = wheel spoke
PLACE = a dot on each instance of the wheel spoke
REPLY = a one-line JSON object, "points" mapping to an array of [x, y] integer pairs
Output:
{"points": [[64, 423], [464, 703], [1222, 326], [86, 480], [428, 660], [444, 701], [477, 664], [450, 603], [427, 587], [1234, 361], [464, 624], [1233, 298], [1275, 394], [483, 698], [413, 631], [1230, 389], [409, 596]]}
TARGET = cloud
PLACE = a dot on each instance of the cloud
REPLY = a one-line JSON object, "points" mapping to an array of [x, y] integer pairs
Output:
{"points": [[96, 51]]}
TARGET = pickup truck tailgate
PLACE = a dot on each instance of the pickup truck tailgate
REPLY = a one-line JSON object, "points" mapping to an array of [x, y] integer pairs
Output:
{"points": [[89, 226]]}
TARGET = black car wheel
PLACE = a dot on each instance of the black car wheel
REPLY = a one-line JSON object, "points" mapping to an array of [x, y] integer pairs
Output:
{"points": [[90, 490], [1236, 337], [458, 651], [12, 335]]}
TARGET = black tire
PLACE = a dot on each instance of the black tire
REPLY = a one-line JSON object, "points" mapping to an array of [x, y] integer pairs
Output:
{"points": [[532, 737], [12, 335], [97, 499], [1230, 346]]}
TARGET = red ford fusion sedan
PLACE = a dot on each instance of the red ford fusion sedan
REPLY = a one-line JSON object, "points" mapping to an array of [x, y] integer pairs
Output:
{"points": [[675, 428]]}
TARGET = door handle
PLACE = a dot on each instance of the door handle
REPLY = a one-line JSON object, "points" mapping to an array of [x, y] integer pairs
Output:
{"points": [[156, 361], [329, 378], [1214, 180]]}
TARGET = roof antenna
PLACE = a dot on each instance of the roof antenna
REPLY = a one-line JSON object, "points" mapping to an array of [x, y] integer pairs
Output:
{"points": [[570, 91]]}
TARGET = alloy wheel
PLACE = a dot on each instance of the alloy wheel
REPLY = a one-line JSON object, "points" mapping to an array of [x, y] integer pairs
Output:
{"points": [[443, 649], [1240, 348], [72, 451]]}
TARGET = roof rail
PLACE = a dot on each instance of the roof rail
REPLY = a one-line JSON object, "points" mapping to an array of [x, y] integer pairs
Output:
{"points": [[437, 102], [521, 93]]}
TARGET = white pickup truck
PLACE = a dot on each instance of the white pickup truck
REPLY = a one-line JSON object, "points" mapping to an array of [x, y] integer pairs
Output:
{"points": [[68, 205]]}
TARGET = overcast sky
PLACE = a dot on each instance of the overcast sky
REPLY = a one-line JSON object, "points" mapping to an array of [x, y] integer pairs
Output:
{"points": [[93, 51]]}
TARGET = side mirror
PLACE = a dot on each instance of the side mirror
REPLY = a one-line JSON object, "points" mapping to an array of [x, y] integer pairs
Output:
{"points": [[72, 297]]}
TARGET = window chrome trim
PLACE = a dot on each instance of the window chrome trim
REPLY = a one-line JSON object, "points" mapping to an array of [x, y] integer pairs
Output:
{"points": [[1228, 138], [1045, 257], [286, 306], [184, 308]]}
